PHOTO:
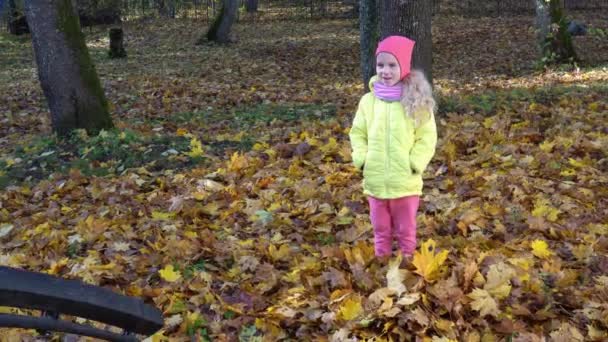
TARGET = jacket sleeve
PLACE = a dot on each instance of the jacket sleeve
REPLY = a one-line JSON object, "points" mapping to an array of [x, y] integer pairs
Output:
{"points": [[424, 145], [358, 137]]}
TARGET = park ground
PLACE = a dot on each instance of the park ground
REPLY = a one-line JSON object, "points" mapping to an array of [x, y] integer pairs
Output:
{"points": [[226, 198]]}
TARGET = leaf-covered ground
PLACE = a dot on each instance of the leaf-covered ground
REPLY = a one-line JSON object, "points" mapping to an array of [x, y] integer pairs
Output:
{"points": [[226, 195]]}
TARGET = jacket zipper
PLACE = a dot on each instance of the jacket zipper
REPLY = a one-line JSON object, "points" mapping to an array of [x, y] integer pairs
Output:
{"points": [[386, 157]]}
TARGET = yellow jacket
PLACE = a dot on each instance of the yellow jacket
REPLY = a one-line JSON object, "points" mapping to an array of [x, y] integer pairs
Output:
{"points": [[392, 151]]}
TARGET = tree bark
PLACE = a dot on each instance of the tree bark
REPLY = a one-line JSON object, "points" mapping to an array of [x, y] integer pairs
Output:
{"points": [[220, 28], [436, 7], [117, 49], [368, 28], [542, 23], [554, 40], [251, 6], [12, 10], [67, 74], [410, 18]]}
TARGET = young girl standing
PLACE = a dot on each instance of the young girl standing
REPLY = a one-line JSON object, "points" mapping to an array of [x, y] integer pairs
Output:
{"points": [[393, 139]]}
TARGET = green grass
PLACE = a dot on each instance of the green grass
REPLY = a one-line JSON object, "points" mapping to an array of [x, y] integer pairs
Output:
{"points": [[247, 117], [489, 102], [110, 152]]}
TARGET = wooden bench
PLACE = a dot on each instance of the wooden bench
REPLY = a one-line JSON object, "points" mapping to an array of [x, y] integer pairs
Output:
{"points": [[55, 296]]}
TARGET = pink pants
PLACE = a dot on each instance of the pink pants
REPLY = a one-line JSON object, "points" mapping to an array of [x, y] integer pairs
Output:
{"points": [[398, 214]]}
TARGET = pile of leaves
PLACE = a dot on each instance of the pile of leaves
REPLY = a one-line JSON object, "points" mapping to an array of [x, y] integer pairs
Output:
{"points": [[271, 240]]}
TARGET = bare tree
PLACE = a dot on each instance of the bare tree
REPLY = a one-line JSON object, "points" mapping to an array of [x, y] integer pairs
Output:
{"points": [[67, 74]]}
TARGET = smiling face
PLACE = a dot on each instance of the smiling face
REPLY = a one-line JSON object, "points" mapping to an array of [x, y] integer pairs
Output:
{"points": [[387, 69]]}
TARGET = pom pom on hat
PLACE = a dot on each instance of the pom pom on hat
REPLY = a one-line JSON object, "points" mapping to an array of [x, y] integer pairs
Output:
{"points": [[400, 47]]}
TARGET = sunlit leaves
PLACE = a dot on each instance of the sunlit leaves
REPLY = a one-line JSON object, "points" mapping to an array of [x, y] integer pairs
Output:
{"points": [[428, 261], [350, 308], [169, 274], [540, 248], [196, 148]]}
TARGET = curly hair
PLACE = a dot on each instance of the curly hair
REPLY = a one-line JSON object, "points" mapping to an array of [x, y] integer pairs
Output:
{"points": [[417, 98]]}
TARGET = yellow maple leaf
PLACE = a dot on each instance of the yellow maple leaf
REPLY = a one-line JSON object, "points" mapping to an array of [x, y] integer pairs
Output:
{"points": [[330, 147], [542, 208], [489, 122], [158, 215], [427, 262], [547, 146], [280, 253], [196, 148], [260, 146], [200, 195], [541, 249], [57, 266], [350, 309], [594, 106], [483, 302], [191, 234], [169, 274], [577, 163], [238, 162], [159, 336], [524, 263]]}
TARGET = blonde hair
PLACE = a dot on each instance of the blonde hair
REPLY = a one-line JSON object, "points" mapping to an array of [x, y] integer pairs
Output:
{"points": [[417, 98]]}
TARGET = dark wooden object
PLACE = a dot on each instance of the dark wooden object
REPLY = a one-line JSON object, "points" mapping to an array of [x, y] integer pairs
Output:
{"points": [[55, 296]]}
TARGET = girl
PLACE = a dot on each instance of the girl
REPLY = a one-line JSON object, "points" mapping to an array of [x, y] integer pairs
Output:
{"points": [[393, 139]]}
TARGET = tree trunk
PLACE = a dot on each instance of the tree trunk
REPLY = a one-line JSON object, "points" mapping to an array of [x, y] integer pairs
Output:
{"points": [[172, 9], [220, 28], [436, 7], [12, 10], [117, 49], [251, 6], [368, 27], [555, 42], [67, 74], [164, 8], [410, 18]]}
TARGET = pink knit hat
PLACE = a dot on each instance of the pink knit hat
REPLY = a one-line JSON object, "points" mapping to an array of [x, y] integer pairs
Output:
{"points": [[400, 47]]}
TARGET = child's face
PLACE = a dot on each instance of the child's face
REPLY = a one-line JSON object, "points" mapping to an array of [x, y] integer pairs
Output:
{"points": [[387, 69]]}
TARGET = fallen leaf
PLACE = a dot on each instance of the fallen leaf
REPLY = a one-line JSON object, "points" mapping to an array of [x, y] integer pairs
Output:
{"points": [[483, 302], [169, 274], [428, 262]]}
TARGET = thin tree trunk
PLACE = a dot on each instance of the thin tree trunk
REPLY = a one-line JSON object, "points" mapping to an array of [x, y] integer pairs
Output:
{"points": [[555, 42], [368, 27], [543, 23], [410, 18], [67, 74]]}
